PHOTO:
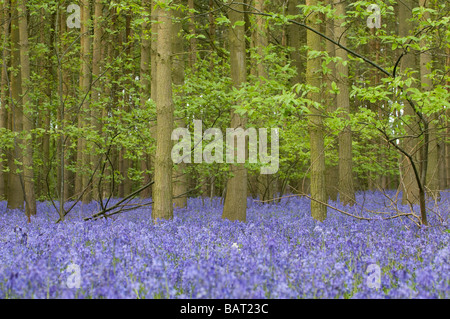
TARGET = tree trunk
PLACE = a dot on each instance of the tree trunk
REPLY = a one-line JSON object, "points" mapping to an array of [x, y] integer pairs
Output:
{"points": [[179, 176], [263, 182], [66, 114], [296, 39], [235, 206], [127, 106], [162, 190], [432, 177], [153, 82], [346, 188], [4, 11], [44, 116], [410, 144], [83, 158], [447, 145], [332, 170], [28, 174], [110, 92], [144, 77], [315, 123], [193, 40], [15, 186], [442, 169], [95, 96]]}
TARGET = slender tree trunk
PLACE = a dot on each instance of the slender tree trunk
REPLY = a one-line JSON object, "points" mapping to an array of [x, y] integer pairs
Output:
{"points": [[4, 10], [442, 168], [153, 49], [110, 93], [447, 145], [162, 190], [315, 123], [121, 163], [127, 163], [145, 88], [379, 144], [15, 186], [179, 175], [204, 186], [193, 40], [95, 95], [83, 158], [346, 188], [44, 116], [410, 144], [264, 182], [153, 82], [332, 170], [235, 206], [203, 176], [122, 169], [254, 178], [68, 118], [61, 114], [296, 39], [113, 49], [212, 31], [28, 174], [432, 177]]}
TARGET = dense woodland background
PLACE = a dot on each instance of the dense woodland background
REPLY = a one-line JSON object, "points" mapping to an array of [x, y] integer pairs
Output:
{"points": [[87, 114]]}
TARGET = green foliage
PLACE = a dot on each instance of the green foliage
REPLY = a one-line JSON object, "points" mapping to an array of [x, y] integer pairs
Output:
{"points": [[207, 93]]}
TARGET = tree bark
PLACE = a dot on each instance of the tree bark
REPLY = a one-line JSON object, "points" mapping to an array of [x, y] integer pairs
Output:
{"points": [[15, 186], [44, 116], [447, 145], [410, 144], [28, 174], [296, 39], [332, 170], [95, 96], [235, 206], [264, 183], [315, 123], [179, 176], [432, 176], [346, 188], [162, 190], [66, 114], [4, 11], [83, 158], [193, 40], [144, 78]]}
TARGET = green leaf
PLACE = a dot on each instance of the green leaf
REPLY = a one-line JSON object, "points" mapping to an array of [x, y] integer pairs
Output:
{"points": [[239, 23], [222, 20]]}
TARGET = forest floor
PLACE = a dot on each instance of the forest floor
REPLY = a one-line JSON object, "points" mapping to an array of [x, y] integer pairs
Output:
{"points": [[280, 252]]}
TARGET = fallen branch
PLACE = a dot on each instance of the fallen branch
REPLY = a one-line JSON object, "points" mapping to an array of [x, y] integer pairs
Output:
{"points": [[118, 204], [320, 202], [399, 214]]}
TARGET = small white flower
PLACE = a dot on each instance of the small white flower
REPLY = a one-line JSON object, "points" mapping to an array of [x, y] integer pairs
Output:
{"points": [[235, 246], [318, 229]]}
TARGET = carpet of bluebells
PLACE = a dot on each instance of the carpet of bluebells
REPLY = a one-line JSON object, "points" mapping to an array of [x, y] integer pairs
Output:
{"points": [[280, 252]]}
